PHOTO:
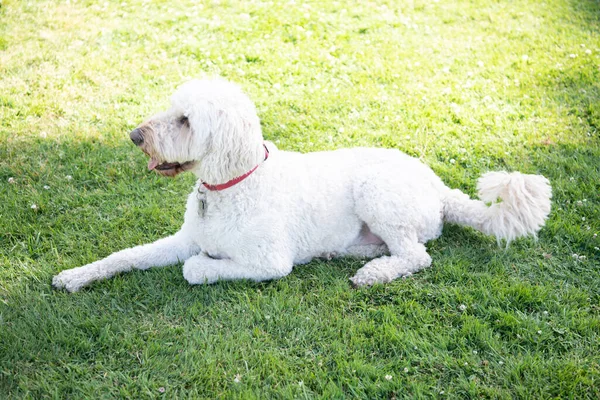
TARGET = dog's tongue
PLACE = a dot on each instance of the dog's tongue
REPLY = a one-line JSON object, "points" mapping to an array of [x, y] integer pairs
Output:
{"points": [[152, 163]]}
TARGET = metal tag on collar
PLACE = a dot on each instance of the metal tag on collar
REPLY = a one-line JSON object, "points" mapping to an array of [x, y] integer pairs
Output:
{"points": [[201, 203]]}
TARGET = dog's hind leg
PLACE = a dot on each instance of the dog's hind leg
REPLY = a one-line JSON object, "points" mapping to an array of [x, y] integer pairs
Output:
{"points": [[163, 252], [407, 255], [411, 257], [404, 213]]}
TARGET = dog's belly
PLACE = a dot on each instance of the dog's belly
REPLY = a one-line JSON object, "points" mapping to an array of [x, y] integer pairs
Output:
{"points": [[327, 242], [361, 237]]}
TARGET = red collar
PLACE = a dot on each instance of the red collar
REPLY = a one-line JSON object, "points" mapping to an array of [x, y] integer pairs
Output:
{"points": [[237, 180]]}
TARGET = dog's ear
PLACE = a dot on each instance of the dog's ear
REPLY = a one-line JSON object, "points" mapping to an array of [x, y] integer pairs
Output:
{"points": [[229, 132], [234, 142]]}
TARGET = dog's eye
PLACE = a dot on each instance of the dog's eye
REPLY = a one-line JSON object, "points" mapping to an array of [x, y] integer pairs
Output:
{"points": [[183, 120]]}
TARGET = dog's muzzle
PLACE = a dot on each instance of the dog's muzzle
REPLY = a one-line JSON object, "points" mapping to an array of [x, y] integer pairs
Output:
{"points": [[136, 137]]}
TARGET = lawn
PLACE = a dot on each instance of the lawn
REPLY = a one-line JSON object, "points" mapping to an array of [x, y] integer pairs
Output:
{"points": [[467, 86]]}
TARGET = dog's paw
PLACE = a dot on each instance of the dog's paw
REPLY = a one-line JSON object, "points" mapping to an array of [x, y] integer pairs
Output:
{"points": [[375, 271], [198, 275], [362, 281], [72, 280]]}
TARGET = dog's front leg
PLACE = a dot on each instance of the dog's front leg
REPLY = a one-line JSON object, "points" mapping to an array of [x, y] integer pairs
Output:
{"points": [[163, 252], [202, 269]]}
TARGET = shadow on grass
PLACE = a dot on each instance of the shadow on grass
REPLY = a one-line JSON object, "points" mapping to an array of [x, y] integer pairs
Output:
{"points": [[589, 10]]}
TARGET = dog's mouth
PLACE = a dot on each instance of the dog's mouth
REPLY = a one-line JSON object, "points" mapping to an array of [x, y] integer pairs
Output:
{"points": [[169, 169]]}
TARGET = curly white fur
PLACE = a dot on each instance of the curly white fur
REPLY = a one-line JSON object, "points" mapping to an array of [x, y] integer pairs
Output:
{"points": [[296, 207]]}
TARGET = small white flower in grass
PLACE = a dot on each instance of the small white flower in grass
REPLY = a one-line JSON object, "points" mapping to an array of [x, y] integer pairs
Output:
{"points": [[11, 180], [43, 135], [452, 161], [524, 57], [301, 383], [466, 364], [545, 313], [501, 362], [573, 55], [579, 202], [571, 179], [595, 235], [447, 90], [588, 52], [238, 378], [277, 86], [462, 307], [583, 218], [575, 255], [539, 332], [388, 377], [405, 369], [34, 207], [582, 258], [46, 187], [267, 317], [446, 70], [474, 351], [441, 392], [341, 129], [161, 389], [480, 64], [68, 177]]}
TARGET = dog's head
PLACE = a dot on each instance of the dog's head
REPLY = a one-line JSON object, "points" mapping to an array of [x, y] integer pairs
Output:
{"points": [[211, 129]]}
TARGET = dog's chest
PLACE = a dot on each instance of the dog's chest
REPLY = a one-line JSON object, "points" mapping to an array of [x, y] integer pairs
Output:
{"points": [[214, 220]]}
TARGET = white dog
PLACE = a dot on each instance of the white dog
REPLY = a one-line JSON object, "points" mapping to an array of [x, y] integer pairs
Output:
{"points": [[256, 211]]}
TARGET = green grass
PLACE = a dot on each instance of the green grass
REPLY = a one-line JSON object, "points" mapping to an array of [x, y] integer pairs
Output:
{"points": [[468, 86]]}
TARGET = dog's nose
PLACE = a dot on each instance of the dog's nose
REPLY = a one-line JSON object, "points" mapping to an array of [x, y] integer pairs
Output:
{"points": [[136, 137]]}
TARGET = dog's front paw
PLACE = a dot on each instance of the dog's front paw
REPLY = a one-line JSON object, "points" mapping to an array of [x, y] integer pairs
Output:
{"points": [[197, 274], [73, 279]]}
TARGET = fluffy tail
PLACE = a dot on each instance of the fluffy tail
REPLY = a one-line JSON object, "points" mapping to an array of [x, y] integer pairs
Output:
{"points": [[519, 206]]}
